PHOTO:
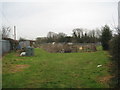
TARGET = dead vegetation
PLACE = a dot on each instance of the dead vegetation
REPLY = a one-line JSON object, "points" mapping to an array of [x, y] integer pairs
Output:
{"points": [[67, 48], [105, 79], [16, 68], [19, 59]]}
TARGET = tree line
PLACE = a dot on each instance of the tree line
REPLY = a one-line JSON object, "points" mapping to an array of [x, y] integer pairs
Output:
{"points": [[79, 35]]}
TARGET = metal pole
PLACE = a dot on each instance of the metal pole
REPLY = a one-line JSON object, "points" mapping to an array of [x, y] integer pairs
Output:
{"points": [[14, 32]]}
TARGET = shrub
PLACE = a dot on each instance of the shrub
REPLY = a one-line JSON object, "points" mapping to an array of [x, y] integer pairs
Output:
{"points": [[106, 37], [115, 52], [115, 48]]}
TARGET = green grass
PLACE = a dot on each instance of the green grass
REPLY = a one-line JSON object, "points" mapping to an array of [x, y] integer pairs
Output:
{"points": [[56, 70]]}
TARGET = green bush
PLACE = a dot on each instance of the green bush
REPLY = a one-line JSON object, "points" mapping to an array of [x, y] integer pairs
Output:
{"points": [[106, 37], [115, 52], [115, 48]]}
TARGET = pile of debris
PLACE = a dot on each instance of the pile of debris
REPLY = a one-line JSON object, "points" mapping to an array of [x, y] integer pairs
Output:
{"points": [[59, 48], [68, 48], [28, 51], [87, 48], [25, 48]]}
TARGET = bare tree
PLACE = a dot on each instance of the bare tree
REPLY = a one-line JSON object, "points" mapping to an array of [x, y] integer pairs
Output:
{"points": [[51, 35], [98, 33], [78, 32], [61, 35], [5, 31]]}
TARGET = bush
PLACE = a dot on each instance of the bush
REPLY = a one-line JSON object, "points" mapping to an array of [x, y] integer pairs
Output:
{"points": [[115, 48], [115, 52], [106, 37]]}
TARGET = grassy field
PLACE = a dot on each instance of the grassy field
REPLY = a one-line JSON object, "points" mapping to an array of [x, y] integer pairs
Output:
{"points": [[56, 70]]}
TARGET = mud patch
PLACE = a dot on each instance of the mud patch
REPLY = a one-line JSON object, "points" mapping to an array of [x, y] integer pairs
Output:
{"points": [[105, 79], [13, 68], [18, 68], [18, 55], [110, 64], [19, 59]]}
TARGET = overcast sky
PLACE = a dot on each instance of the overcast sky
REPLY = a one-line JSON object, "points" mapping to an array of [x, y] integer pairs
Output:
{"points": [[36, 19]]}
